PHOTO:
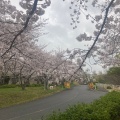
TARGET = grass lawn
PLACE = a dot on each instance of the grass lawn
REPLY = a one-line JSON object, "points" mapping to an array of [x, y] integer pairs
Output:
{"points": [[12, 96]]}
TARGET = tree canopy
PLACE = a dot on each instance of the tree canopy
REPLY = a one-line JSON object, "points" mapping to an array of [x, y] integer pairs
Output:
{"points": [[20, 31], [114, 71]]}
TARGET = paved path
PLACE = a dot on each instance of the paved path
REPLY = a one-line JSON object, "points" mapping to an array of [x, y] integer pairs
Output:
{"points": [[36, 109]]}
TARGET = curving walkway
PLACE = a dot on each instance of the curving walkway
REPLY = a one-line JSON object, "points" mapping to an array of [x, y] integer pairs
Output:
{"points": [[39, 108]]}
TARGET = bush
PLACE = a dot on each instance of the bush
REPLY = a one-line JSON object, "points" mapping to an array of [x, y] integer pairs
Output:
{"points": [[115, 112], [108, 87], [13, 85], [34, 85], [106, 108], [5, 79], [8, 86]]}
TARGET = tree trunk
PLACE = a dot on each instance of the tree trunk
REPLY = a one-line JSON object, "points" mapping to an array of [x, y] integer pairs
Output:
{"points": [[45, 84]]}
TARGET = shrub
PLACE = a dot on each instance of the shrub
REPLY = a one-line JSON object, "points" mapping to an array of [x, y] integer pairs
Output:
{"points": [[115, 112], [109, 87], [8, 86], [34, 85], [106, 108], [5, 79]]}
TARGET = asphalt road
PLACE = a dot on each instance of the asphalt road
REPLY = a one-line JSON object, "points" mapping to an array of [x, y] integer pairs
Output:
{"points": [[39, 108]]}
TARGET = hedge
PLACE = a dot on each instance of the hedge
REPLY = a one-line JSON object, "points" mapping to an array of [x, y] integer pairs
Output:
{"points": [[14, 85], [106, 108]]}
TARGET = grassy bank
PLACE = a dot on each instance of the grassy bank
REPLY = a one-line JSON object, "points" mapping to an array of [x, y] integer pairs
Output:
{"points": [[105, 108], [12, 96]]}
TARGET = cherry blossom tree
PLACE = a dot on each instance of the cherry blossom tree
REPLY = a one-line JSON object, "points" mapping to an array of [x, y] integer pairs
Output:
{"points": [[19, 21], [105, 38], [18, 36], [17, 32]]}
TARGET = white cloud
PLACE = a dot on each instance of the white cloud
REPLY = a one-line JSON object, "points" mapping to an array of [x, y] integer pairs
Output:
{"points": [[16, 4]]}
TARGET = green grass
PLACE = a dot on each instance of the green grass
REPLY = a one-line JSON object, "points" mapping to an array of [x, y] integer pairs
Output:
{"points": [[12, 96]]}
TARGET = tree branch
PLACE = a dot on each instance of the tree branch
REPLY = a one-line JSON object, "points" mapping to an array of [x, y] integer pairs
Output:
{"points": [[23, 29], [103, 24]]}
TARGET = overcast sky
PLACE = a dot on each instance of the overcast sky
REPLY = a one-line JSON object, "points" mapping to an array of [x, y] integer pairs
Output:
{"points": [[60, 33]]}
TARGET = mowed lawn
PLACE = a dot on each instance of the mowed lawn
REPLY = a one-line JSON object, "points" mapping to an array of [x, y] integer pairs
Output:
{"points": [[12, 96]]}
